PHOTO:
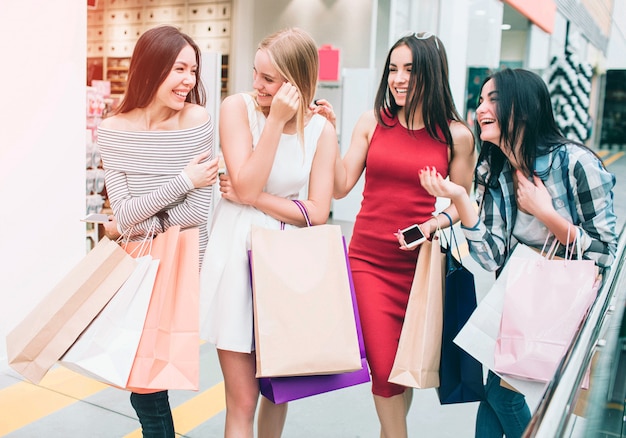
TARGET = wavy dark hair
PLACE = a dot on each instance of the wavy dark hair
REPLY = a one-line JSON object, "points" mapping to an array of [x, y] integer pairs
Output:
{"points": [[152, 60], [526, 118], [429, 88]]}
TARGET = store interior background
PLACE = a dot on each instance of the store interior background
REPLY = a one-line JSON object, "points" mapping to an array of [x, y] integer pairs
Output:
{"points": [[42, 127]]}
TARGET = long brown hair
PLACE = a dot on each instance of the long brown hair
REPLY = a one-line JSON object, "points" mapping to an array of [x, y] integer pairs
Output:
{"points": [[152, 60]]}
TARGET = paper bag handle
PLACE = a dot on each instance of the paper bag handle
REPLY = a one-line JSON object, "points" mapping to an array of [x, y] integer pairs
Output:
{"points": [[305, 213]]}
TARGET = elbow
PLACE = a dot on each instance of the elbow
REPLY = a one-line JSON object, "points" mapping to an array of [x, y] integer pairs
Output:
{"points": [[319, 219], [248, 198], [339, 194]]}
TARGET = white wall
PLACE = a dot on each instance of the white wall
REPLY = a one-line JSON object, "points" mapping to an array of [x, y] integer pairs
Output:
{"points": [[42, 150], [616, 59], [346, 24]]}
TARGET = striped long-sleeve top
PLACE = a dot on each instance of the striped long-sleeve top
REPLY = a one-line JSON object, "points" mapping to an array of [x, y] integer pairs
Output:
{"points": [[144, 176]]}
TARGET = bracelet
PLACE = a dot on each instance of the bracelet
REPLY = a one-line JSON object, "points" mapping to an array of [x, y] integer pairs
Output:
{"points": [[448, 216]]}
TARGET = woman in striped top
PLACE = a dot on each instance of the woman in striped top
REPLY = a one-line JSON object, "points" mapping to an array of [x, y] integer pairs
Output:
{"points": [[157, 152]]}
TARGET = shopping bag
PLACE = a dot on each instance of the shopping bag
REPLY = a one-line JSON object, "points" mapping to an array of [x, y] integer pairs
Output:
{"points": [[419, 349], [303, 313], [478, 335], [460, 375], [302, 299], [284, 389], [46, 333], [168, 355], [107, 348], [545, 302]]}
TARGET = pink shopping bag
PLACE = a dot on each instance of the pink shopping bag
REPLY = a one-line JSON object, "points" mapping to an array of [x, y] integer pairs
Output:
{"points": [[545, 302], [168, 355]]}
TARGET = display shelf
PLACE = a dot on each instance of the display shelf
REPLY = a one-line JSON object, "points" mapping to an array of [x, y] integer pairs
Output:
{"points": [[115, 25]]}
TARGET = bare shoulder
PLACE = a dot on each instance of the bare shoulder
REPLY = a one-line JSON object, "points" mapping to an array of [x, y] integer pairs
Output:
{"points": [[233, 102], [117, 122], [233, 109], [462, 136], [193, 115], [368, 118], [366, 123]]}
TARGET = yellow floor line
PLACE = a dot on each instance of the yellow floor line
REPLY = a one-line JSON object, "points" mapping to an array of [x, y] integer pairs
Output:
{"points": [[25, 402], [613, 158], [195, 411], [603, 153]]}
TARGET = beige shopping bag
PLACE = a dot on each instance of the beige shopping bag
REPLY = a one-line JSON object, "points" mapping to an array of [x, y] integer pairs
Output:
{"points": [[47, 332], [303, 314], [419, 349]]}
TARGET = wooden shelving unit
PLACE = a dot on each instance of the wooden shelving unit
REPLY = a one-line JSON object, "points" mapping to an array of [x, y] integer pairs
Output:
{"points": [[115, 25]]}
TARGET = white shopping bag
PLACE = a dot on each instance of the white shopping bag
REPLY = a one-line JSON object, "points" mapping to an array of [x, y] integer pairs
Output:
{"points": [[478, 336], [105, 351]]}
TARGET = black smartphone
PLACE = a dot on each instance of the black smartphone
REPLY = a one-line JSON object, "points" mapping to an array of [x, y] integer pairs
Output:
{"points": [[413, 236]]}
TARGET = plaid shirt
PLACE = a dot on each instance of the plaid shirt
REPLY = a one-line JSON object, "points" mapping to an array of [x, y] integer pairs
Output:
{"points": [[581, 190]]}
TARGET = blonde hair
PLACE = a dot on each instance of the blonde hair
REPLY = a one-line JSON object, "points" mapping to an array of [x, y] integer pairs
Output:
{"points": [[293, 53]]}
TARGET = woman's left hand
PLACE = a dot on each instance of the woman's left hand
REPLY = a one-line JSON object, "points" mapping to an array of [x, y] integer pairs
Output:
{"points": [[532, 196], [227, 189]]}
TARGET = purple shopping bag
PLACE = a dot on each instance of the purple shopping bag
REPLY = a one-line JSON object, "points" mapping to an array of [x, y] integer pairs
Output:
{"points": [[284, 389]]}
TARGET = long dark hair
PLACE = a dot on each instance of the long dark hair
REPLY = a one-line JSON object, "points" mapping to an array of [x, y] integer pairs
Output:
{"points": [[525, 116], [429, 88], [152, 60]]}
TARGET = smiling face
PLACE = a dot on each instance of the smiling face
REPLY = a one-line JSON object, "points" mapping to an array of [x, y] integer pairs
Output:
{"points": [[266, 79], [400, 67], [486, 113], [490, 129], [180, 81]]}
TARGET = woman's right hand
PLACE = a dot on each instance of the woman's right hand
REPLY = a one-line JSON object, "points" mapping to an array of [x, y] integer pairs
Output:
{"points": [[285, 103], [436, 185], [325, 109], [110, 228], [202, 173]]}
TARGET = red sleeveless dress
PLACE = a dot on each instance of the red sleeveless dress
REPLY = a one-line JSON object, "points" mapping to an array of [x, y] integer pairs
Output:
{"points": [[392, 199]]}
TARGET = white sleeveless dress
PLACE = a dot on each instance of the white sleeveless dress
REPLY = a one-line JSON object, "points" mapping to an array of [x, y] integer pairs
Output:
{"points": [[225, 292]]}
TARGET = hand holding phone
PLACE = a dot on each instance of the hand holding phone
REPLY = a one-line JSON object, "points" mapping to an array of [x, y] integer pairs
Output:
{"points": [[413, 236]]}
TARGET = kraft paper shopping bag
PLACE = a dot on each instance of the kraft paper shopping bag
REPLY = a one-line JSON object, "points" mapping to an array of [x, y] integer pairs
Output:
{"points": [[168, 356], [106, 350], [419, 349], [285, 389], [47, 332], [303, 314]]}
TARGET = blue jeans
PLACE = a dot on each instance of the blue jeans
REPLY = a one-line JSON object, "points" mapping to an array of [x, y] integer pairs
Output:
{"points": [[154, 413], [503, 412]]}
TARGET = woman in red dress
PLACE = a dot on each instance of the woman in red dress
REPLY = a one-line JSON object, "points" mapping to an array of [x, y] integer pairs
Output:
{"points": [[414, 124]]}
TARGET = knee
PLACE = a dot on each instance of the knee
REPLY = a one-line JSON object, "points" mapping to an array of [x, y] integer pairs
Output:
{"points": [[242, 405]]}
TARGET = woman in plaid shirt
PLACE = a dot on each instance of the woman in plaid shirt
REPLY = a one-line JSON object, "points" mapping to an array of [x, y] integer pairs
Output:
{"points": [[531, 183]]}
